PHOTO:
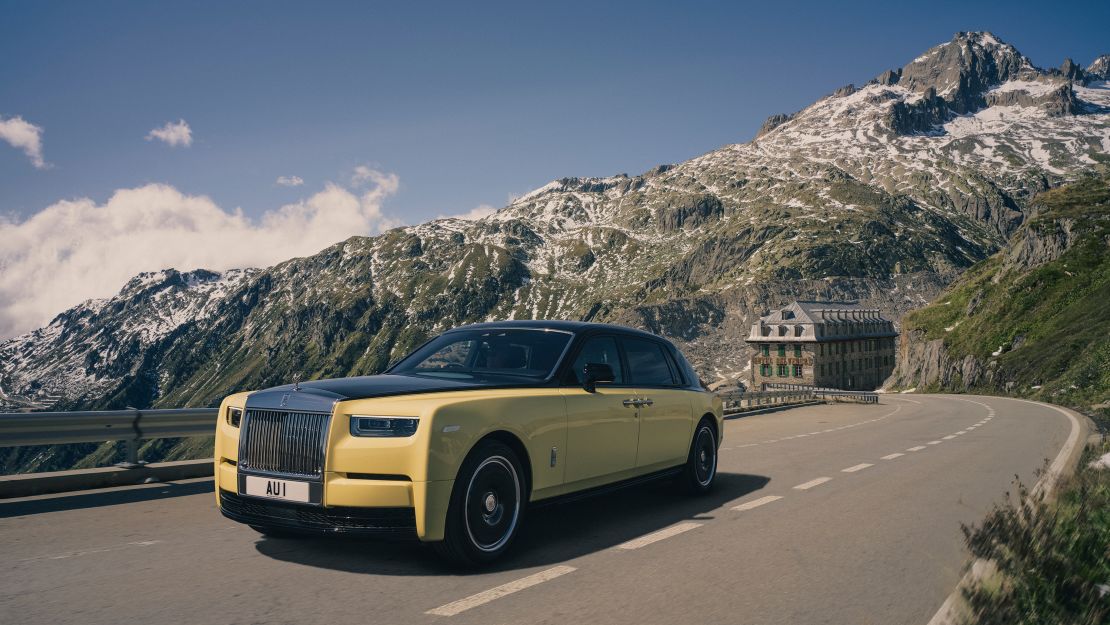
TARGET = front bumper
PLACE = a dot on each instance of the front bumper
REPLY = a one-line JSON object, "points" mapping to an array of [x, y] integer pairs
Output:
{"points": [[392, 522]]}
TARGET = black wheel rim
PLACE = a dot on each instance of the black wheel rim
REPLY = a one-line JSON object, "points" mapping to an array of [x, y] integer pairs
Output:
{"points": [[705, 456], [492, 503]]}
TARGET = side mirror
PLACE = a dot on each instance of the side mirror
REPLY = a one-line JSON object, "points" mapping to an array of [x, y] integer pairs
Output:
{"points": [[595, 373]]}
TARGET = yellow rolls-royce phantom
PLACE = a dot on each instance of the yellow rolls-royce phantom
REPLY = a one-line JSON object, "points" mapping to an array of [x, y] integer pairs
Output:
{"points": [[450, 444]]}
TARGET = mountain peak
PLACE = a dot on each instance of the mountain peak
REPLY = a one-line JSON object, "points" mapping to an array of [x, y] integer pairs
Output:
{"points": [[962, 69], [1100, 68]]}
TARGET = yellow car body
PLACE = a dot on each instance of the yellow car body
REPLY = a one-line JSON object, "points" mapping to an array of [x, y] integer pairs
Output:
{"points": [[568, 438]]}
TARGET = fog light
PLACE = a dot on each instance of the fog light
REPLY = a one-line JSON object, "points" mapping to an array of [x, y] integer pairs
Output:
{"points": [[362, 425]]}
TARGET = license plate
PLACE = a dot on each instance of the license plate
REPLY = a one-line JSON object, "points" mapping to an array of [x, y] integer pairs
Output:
{"points": [[288, 490]]}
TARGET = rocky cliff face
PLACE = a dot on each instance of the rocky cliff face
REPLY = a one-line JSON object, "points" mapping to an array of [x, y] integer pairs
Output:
{"points": [[884, 194], [1034, 319]]}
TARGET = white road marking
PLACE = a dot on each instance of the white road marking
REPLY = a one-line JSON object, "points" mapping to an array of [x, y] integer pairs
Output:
{"points": [[893, 456], [662, 534], [934, 442], [755, 503], [473, 601], [843, 427], [949, 437], [961, 432], [1044, 486], [85, 552], [918, 448], [858, 467], [810, 484]]}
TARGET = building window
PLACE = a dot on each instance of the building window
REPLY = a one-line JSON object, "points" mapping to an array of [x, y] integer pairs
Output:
{"points": [[765, 349], [821, 349], [765, 370], [782, 349], [797, 371], [783, 371], [797, 351]]}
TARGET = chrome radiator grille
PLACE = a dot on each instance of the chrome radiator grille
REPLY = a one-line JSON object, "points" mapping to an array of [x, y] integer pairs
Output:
{"points": [[289, 443]]}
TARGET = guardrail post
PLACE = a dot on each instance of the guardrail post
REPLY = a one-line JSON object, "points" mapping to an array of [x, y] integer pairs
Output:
{"points": [[132, 460]]}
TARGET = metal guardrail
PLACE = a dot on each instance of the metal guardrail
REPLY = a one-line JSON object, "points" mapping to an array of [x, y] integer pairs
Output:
{"points": [[860, 397], [131, 425], [739, 401]]}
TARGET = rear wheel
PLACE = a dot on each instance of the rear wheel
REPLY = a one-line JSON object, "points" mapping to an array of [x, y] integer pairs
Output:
{"points": [[701, 465], [487, 504]]}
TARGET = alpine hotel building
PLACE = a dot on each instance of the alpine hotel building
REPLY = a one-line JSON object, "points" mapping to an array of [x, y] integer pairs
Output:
{"points": [[824, 344]]}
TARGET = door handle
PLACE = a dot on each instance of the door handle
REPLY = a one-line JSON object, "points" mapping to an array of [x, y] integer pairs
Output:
{"points": [[631, 402], [646, 402]]}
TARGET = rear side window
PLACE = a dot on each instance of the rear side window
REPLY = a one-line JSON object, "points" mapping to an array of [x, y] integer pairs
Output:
{"points": [[599, 350], [647, 363]]}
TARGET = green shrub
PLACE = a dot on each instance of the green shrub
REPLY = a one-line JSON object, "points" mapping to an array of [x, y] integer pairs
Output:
{"points": [[1053, 558]]}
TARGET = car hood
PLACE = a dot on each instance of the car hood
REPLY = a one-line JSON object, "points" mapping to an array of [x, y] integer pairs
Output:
{"points": [[321, 395]]}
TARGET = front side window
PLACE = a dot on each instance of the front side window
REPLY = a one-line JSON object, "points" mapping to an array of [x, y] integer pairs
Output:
{"points": [[647, 363], [494, 355], [599, 350]]}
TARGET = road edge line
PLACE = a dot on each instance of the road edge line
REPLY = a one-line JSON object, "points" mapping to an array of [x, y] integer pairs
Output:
{"points": [[948, 611]]}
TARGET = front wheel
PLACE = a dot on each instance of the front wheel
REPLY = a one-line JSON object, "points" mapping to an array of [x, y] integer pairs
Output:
{"points": [[487, 503], [701, 465]]}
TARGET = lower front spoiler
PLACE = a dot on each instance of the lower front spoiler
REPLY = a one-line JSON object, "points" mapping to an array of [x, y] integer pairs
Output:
{"points": [[387, 523]]}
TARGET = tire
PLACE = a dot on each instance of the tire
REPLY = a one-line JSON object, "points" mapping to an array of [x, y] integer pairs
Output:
{"points": [[486, 508], [701, 465]]}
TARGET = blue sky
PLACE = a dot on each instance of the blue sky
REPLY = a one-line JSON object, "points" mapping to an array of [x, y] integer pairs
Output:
{"points": [[394, 113], [466, 104]]}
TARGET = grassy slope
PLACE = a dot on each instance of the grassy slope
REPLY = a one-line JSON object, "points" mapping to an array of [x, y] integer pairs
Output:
{"points": [[1052, 557], [1061, 309]]}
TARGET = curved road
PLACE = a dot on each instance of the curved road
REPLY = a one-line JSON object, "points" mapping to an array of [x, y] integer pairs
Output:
{"points": [[823, 514]]}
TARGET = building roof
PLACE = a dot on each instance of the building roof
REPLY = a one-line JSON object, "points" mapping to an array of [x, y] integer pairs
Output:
{"points": [[816, 311], [815, 320]]}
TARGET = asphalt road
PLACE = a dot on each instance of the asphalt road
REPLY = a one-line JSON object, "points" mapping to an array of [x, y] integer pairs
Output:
{"points": [[823, 514]]}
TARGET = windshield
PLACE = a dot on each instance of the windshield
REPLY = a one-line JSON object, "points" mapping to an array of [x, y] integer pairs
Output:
{"points": [[498, 355]]}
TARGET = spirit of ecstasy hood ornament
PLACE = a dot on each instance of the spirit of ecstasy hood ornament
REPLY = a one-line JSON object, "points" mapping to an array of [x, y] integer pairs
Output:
{"points": [[296, 383]]}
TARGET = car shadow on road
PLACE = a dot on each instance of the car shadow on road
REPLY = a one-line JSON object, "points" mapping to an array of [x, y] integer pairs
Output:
{"points": [[552, 533]]}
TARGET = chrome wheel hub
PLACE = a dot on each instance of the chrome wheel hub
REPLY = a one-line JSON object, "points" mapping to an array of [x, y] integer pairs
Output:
{"points": [[491, 502]]}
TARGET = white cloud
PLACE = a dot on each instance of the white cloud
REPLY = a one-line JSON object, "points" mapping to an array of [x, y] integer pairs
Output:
{"points": [[22, 134], [290, 181], [173, 133], [78, 249], [478, 212]]}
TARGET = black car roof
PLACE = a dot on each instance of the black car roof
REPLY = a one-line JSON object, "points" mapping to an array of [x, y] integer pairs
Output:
{"points": [[577, 327]]}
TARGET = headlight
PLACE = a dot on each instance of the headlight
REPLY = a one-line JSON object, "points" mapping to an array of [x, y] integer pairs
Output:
{"points": [[234, 416], [362, 425]]}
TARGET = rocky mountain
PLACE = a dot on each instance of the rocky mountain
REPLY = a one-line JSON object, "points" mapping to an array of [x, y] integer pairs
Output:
{"points": [[1034, 319], [884, 193]]}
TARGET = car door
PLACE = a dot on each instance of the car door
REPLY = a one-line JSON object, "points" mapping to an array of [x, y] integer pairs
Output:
{"points": [[665, 414], [602, 426]]}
